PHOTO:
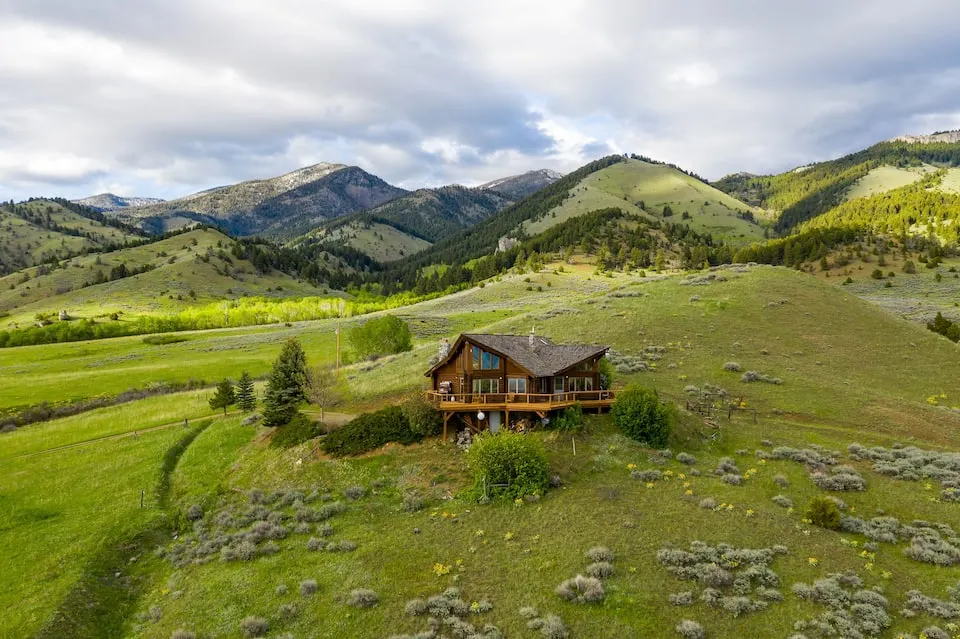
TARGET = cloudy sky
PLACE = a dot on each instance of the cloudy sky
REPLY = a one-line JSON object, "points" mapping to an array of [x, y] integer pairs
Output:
{"points": [[165, 97]]}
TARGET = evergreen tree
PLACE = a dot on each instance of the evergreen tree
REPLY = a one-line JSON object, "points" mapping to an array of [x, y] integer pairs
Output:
{"points": [[246, 398], [223, 397], [286, 386]]}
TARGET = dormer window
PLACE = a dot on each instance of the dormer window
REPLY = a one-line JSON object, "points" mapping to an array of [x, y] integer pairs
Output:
{"points": [[484, 361]]}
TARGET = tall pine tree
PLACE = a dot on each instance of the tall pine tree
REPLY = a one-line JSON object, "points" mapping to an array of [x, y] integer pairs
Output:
{"points": [[246, 398], [286, 387]]}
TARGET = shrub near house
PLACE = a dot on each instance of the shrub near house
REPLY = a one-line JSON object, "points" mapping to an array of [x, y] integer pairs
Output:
{"points": [[370, 431], [639, 413]]}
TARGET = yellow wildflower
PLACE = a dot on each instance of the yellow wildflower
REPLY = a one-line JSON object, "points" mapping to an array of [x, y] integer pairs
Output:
{"points": [[813, 561]]}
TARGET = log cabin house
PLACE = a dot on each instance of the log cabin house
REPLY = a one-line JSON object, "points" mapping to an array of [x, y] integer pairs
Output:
{"points": [[485, 380]]}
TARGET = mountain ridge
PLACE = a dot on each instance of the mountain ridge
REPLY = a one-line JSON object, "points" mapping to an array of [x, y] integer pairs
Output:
{"points": [[280, 207], [106, 202]]}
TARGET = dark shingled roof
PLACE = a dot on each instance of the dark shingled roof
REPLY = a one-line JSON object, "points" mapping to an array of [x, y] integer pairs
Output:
{"points": [[544, 358]]}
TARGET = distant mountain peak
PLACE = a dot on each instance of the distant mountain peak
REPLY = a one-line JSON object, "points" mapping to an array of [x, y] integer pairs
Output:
{"points": [[517, 187], [950, 137], [112, 202], [280, 207]]}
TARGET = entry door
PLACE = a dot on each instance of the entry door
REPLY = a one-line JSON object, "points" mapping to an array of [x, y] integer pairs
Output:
{"points": [[558, 385]]}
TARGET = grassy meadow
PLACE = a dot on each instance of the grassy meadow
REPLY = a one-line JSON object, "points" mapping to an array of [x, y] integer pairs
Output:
{"points": [[851, 373]]}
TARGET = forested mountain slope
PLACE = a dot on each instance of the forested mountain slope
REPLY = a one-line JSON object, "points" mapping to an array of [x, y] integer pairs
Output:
{"points": [[38, 231]]}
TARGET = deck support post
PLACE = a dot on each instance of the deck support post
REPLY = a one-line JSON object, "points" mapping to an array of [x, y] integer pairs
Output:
{"points": [[446, 417]]}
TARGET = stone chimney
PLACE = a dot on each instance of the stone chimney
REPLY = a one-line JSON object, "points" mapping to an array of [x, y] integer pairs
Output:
{"points": [[444, 347], [533, 337]]}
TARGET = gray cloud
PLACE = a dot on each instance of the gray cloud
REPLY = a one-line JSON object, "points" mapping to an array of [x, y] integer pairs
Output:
{"points": [[173, 96]]}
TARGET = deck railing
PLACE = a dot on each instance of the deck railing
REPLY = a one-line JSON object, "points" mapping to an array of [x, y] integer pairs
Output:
{"points": [[544, 399]]}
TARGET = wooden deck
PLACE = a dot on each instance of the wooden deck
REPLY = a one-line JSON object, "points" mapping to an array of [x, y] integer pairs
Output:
{"points": [[470, 404], [520, 402]]}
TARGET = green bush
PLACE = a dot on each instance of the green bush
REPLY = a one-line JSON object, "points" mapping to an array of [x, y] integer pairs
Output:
{"points": [[300, 429], [424, 419], [370, 431], [638, 412], [508, 465], [570, 419], [382, 336], [824, 512]]}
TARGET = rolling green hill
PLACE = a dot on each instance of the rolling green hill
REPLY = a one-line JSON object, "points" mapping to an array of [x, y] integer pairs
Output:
{"points": [[161, 277], [655, 189], [42, 230], [806, 192]]}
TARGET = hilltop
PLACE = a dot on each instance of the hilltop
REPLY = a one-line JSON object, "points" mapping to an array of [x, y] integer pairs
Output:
{"points": [[656, 191], [281, 207], [39, 231], [109, 202]]}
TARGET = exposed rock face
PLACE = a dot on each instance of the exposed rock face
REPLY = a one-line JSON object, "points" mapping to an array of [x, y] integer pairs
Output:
{"points": [[517, 187], [109, 202], [950, 137]]}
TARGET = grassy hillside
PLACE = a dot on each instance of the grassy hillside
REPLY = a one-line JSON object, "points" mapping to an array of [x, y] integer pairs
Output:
{"points": [[639, 187], [178, 272], [885, 178], [382, 242], [807, 192], [41, 230], [687, 327]]}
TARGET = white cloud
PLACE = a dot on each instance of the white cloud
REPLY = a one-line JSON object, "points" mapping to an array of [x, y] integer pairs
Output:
{"points": [[168, 97]]}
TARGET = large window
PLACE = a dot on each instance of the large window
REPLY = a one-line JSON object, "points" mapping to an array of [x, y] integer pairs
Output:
{"points": [[484, 361], [585, 367], [581, 384], [481, 386], [517, 385]]}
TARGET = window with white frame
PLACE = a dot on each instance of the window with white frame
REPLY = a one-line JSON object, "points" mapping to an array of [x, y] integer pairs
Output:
{"points": [[578, 384], [482, 386], [484, 361], [517, 385]]}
